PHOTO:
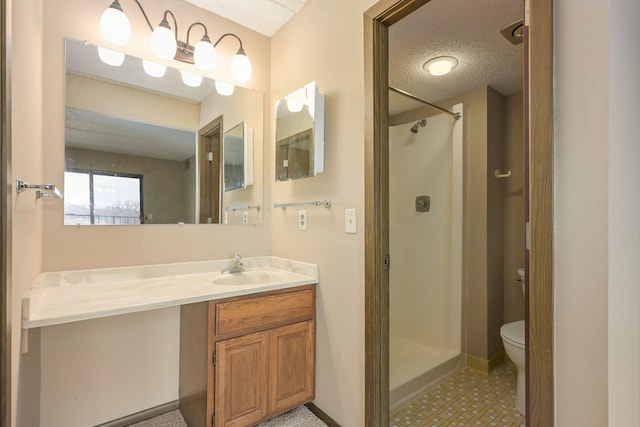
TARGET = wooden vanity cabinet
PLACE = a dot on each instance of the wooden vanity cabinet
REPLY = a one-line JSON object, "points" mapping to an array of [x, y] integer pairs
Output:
{"points": [[247, 359]]}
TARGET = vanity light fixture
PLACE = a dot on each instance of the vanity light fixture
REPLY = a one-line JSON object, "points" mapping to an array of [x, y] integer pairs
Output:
{"points": [[191, 79], [224, 88], [111, 57], [153, 68], [441, 65], [116, 29]]}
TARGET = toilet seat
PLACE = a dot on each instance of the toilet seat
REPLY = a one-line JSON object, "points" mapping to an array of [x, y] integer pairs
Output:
{"points": [[514, 333]]}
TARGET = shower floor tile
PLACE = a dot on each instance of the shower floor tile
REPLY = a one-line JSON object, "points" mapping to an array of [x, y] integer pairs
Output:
{"points": [[468, 398]]}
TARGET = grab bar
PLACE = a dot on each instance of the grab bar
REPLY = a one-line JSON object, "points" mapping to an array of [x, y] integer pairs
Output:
{"points": [[50, 190]]}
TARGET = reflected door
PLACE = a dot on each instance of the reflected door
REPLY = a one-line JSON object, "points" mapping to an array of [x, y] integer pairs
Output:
{"points": [[209, 155]]}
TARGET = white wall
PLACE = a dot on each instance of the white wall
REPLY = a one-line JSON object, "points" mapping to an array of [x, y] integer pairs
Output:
{"points": [[597, 241], [421, 280]]}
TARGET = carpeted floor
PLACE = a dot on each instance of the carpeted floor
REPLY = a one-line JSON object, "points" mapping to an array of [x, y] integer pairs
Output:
{"points": [[299, 417]]}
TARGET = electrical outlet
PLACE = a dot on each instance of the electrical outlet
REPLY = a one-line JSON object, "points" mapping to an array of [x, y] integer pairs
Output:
{"points": [[302, 220], [350, 224], [245, 217]]}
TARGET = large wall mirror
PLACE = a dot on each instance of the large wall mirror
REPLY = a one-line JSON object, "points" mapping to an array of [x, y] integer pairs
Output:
{"points": [[300, 134], [145, 144]]}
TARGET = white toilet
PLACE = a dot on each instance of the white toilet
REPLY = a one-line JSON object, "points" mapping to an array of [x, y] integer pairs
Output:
{"points": [[513, 340]]}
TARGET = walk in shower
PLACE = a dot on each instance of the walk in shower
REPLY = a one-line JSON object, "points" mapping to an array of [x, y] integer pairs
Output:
{"points": [[426, 222]]}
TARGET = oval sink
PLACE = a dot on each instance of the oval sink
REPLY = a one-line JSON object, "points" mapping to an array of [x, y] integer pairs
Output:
{"points": [[250, 278]]}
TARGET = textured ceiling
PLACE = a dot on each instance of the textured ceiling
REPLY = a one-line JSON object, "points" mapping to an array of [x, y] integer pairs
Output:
{"points": [[263, 16], [467, 30]]}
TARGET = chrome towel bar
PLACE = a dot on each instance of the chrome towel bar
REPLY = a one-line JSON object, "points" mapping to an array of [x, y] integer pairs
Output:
{"points": [[42, 190], [325, 203]]}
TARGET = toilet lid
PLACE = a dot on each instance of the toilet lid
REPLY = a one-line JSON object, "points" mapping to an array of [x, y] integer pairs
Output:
{"points": [[513, 332]]}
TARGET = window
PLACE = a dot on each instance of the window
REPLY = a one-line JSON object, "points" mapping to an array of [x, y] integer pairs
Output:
{"points": [[97, 197]]}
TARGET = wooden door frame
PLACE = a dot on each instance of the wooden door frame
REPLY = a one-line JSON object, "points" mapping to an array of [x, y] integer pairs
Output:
{"points": [[215, 200], [540, 391]]}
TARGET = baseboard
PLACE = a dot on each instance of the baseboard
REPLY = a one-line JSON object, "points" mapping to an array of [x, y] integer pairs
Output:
{"points": [[322, 415], [483, 365], [142, 415]]}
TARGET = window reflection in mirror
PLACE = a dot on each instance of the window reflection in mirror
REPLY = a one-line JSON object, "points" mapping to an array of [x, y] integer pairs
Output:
{"points": [[122, 122], [300, 134]]}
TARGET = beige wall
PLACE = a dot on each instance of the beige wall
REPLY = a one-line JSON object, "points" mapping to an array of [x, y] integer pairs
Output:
{"points": [[27, 161], [597, 234], [624, 211], [513, 189], [581, 214], [495, 221], [325, 43], [129, 103]]}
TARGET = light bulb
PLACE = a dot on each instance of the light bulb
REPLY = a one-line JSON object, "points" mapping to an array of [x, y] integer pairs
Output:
{"points": [[441, 65], [440, 68], [191, 79], [241, 67], [111, 57], [163, 42], [224, 88], [114, 25], [153, 68], [294, 106], [204, 55]]}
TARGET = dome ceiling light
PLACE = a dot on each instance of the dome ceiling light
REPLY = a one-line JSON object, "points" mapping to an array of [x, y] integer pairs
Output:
{"points": [[440, 66]]}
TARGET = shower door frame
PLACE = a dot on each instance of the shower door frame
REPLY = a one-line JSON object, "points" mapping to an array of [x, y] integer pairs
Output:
{"points": [[538, 90]]}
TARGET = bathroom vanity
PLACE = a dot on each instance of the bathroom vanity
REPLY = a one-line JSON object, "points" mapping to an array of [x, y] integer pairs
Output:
{"points": [[246, 359], [247, 339]]}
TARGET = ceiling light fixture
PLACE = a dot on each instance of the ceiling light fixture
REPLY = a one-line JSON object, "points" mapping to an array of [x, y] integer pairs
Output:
{"points": [[116, 29], [441, 65]]}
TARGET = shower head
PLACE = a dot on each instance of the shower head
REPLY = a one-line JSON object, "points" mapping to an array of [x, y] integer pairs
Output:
{"points": [[422, 123]]}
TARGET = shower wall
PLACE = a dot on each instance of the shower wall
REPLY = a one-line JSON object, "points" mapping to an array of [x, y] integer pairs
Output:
{"points": [[424, 304], [492, 138]]}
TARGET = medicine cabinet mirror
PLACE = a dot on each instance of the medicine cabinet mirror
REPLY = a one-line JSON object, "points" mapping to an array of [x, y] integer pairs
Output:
{"points": [[145, 150], [300, 134], [238, 158]]}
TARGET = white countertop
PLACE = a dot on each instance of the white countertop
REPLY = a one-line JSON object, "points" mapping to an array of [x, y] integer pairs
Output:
{"points": [[69, 296]]}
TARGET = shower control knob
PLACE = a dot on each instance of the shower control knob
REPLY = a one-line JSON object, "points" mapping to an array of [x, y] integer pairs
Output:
{"points": [[423, 203]]}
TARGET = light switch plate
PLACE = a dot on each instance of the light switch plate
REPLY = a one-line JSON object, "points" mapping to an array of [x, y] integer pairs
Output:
{"points": [[302, 219], [350, 222], [245, 217]]}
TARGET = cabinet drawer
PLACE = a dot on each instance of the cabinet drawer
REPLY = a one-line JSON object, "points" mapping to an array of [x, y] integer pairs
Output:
{"points": [[264, 311]]}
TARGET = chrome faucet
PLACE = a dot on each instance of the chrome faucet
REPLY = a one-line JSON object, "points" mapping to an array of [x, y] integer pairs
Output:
{"points": [[236, 266]]}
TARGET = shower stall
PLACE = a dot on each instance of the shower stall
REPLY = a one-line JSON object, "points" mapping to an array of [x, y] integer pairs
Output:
{"points": [[426, 226]]}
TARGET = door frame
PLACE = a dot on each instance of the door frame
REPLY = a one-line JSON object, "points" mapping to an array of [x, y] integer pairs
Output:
{"points": [[539, 295]]}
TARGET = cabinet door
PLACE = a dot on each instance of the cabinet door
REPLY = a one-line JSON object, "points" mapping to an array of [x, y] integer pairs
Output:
{"points": [[292, 366], [242, 380]]}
